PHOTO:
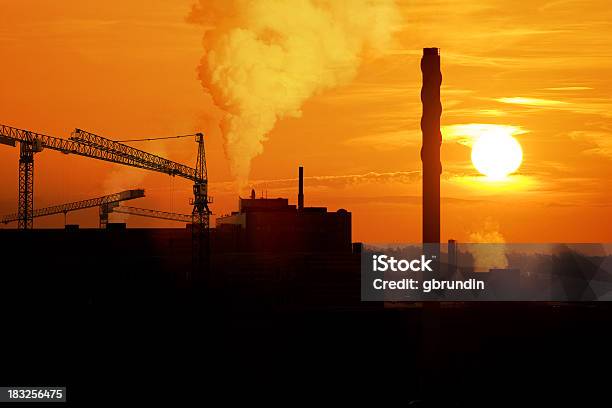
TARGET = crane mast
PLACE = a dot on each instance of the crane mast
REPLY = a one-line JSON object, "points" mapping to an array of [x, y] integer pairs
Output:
{"points": [[200, 228], [200, 201], [26, 183]]}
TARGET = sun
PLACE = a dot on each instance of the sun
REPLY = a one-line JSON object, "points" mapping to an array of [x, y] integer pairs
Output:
{"points": [[496, 155]]}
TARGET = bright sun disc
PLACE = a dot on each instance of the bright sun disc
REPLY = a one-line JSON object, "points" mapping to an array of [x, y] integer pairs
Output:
{"points": [[496, 156]]}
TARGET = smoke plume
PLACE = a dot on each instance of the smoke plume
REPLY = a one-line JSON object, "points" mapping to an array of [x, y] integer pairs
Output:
{"points": [[264, 58], [488, 250]]}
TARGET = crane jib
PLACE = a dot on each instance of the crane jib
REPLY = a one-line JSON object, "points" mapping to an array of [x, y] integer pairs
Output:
{"points": [[94, 147]]}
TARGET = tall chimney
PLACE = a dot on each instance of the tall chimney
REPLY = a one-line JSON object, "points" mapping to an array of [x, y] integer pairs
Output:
{"points": [[301, 189], [432, 139]]}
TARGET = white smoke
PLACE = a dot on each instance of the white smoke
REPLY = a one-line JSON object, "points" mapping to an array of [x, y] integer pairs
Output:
{"points": [[488, 250], [264, 58]]}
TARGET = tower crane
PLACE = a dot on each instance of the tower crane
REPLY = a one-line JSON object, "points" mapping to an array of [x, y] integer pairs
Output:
{"points": [[89, 145], [199, 174], [109, 201], [200, 215], [97, 147], [108, 204]]}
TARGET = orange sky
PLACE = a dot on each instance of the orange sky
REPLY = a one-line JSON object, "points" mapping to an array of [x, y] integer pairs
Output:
{"points": [[128, 69]]}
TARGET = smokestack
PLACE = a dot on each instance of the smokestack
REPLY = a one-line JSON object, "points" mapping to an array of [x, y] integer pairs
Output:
{"points": [[301, 189], [432, 139], [452, 257]]}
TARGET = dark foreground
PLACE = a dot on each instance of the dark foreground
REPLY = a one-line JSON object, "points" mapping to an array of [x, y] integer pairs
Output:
{"points": [[112, 318]]}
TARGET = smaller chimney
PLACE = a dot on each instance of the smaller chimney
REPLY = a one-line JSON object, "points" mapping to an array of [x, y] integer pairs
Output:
{"points": [[301, 189], [452, 257], [252, 194]]}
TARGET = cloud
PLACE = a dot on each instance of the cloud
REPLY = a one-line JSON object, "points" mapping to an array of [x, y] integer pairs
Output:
{"points": [[335, 181], [514, 183], [466, 134], [410, 200], [464, 59], [387, 141], [587, 106], [519, 100], [602, 141], [569, 88]]}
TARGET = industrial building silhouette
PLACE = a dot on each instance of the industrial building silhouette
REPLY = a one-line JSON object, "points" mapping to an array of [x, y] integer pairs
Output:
{"points": [[273, 225]]}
